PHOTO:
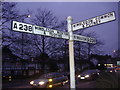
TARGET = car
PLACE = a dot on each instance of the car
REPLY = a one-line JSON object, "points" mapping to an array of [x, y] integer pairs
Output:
{"points": [[110, 69], [90, 74], [49, 80], [117, 69]]}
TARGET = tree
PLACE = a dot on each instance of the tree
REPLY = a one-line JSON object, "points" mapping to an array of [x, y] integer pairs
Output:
{"points": [[46, 45], [93, 48], [84, 50], [44, 18], [14, 40], [89, 48], [8, 14], [116, 53], [64, 51]]}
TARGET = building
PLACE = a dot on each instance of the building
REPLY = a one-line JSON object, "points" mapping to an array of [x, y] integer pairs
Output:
{"points": [[13, 65]]}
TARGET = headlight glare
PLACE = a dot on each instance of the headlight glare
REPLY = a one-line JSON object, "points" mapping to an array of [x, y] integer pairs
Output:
{"points": [[50, 80], [78, 75], [111, 71], [32, 82], [41, 83], [50, 86], [87, 76]]}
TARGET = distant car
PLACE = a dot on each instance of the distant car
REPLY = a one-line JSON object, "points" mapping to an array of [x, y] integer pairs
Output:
{"points": [[117, 69], [89, 74], [110, 69], [50, 80]]}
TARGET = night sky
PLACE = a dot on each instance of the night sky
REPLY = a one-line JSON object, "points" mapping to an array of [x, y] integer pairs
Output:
{"points": [[108, 32]]}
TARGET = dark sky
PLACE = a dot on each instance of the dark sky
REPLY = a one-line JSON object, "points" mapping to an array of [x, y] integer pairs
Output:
{"points": [[108, 32]]}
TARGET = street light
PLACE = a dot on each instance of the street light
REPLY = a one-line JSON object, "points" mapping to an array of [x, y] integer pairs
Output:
{"points": [[114, 51], [25, 16], [28, 16]]}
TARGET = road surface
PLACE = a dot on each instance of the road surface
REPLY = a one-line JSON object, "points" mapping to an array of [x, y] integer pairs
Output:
{"points": [[25, 84]]}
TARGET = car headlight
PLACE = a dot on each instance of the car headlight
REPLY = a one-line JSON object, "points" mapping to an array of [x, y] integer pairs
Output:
{"points": [[111, 71], [41, 83], [98, 73], [50, 80], [78, 75], [66, 81], [32, 82], [50, 86], [86, 76]]}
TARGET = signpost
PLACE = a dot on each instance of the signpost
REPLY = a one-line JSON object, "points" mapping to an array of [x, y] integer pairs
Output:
{"points": [[94, 21], [33, 29], [71, 53]]}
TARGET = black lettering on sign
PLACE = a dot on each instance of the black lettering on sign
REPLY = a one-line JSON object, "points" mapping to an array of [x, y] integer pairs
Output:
{"points": [[30, 28], [15, 25], [77, 37], [60, 34], [88, 39], [80, 38], [36, 27], [88, 23], [74, 25], [105, 16], [65, 33], [20, 26], [98, 20], [80, 24], [111, 14], [25, 27], [74, 37], [101, 17], [84, 24]]}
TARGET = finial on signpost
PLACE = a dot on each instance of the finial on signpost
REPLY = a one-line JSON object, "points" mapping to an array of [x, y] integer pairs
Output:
{"points": [[69, 22], [69, 18]]}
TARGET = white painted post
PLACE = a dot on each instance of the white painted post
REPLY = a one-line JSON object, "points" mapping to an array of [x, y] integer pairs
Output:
{"points": [[71, 53]]}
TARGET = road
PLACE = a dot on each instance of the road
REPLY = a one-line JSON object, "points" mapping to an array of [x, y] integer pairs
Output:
{"points": [[82, 84], [25, 84], [111, 78]]}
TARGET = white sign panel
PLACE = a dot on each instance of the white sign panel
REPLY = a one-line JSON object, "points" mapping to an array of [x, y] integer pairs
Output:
{"points": [[50, 32], [84, 39], [94, 21], [22, 27], [118, 62]]}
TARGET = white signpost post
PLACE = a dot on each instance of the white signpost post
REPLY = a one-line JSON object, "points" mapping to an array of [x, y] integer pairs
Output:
{"points": [[71, 53], [33, 29]]}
